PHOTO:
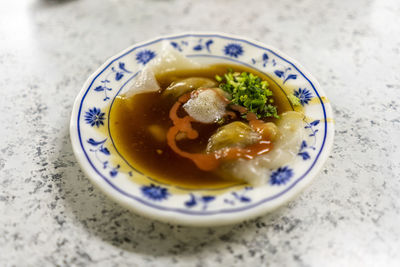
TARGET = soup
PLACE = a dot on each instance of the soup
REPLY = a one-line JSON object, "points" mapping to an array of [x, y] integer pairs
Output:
{"points": [[136, 122], [176, 135]]}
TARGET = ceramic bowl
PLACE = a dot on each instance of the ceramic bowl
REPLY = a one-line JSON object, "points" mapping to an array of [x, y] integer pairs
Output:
{"points": [[106, 168]]}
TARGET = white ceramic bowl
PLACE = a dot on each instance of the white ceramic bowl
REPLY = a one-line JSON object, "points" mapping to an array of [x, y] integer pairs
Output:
{"points": [[106, 168]]}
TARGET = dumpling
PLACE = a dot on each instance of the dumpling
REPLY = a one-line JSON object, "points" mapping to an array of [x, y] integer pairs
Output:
{"points": [[144, 82], [256, 171], [182, 86], [234, 134], [168, 60], [206, 106], [171, 60]]}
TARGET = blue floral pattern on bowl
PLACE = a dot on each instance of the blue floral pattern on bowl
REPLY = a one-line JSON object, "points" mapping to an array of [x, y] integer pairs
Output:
{"points": [[202, 201], [281, 176], [206, 46], [93, 142], [233, 50], [118, 72], [303, 95], [94, 116], [145, 56], [155, 192]]}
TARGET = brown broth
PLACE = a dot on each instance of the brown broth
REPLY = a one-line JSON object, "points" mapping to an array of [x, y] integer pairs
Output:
{"points": [[131, 118]]}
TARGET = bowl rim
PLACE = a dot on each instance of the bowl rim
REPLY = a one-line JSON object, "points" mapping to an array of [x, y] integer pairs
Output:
{"points": [[250, 211]]}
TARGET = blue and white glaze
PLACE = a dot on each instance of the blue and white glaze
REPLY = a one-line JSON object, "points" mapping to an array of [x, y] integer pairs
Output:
{"points": [[240, 196], [199, 201], [303, 95], [144, 56], [52, 215], [102, 90], [118, 72], [155, 192], [94, 117]]}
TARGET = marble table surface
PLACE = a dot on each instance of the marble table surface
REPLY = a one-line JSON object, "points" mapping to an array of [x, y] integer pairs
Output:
{"points": [[50, 214]]}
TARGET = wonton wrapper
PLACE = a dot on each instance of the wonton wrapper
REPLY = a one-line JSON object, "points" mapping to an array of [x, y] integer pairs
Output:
{"points": [[168, 60], [257, 171]]}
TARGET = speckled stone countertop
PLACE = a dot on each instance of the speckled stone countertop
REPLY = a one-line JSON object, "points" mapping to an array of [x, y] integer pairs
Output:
{"points": [[50, 214]]}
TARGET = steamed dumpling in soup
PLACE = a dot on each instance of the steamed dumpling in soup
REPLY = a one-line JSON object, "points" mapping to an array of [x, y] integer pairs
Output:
{"points": [[201, 126]]}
